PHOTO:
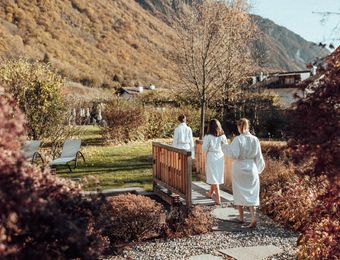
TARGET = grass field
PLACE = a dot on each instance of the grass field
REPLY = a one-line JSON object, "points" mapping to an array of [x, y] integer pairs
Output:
{"points": [[128, 165], [113, 166]]}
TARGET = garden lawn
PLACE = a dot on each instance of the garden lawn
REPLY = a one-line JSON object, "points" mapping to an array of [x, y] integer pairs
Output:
{"points": [[110, 166]]}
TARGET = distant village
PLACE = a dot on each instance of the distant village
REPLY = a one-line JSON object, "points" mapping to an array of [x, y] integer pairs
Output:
{"points": [[282, 84]]}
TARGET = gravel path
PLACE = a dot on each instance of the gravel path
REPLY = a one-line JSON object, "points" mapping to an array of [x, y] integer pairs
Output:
{"points": [[267, 233]]}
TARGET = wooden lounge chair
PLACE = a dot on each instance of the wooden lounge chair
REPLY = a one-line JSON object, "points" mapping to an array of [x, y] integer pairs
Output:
{"points": [[70, 153], [31, 149]]}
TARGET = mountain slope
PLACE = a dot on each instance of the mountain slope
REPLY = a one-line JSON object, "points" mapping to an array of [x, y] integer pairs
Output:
{"points": [[286, 50], [88, 41], [103, 43]]}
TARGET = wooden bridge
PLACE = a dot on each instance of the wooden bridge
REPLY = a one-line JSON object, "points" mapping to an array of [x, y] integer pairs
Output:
{"points": [[173, 170]]}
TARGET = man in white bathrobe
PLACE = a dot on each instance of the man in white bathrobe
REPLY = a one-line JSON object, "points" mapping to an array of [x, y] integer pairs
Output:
{"points": [[183, 138]]}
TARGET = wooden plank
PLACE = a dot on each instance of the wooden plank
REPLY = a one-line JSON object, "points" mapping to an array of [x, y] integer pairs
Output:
{"points": [[170, 199], [171, 148], [172, 189]]}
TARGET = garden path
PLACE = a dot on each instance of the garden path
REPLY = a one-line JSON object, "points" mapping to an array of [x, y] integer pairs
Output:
{"points": [[227, 241]]}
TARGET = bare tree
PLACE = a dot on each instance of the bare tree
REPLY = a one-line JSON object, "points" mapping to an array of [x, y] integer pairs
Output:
{"points": [[212, 54], [334, 35]]}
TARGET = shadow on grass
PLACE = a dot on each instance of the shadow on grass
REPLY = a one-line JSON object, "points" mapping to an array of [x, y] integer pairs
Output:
{"points": [[122, 165], [95, 168], [97, 141]]}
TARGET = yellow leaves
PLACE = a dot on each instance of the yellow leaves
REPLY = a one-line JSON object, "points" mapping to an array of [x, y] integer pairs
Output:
{"points": [[37, 91]]}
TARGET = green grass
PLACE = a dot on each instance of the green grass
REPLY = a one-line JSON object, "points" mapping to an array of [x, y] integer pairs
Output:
{"points": [[113, 166]]}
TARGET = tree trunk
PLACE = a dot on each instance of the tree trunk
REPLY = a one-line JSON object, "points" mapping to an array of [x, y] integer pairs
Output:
{"points": [[203, 101]]}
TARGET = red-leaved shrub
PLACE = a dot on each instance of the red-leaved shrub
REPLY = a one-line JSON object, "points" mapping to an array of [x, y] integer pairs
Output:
{"points": [[315, 147], [274, 149], [183, 222], [290, 203], [124, 120], [129, 218], [41, 216], [321, 236]]}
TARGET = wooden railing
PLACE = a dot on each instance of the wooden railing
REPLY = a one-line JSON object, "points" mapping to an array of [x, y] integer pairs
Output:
{"points": [[172, 169], [200, 161], [200, 166]]}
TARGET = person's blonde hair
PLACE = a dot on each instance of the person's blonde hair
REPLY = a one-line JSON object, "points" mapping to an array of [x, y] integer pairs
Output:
{"points": [[243, 125]]}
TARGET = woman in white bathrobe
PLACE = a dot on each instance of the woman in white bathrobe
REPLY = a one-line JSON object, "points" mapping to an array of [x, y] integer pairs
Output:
{"points": [[248, 163], [214, 166]]}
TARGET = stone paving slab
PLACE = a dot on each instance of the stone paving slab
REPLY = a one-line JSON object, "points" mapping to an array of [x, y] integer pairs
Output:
{"points": [[253, 252], [205, 257], [199, 199], [228, 214], [196, 185], [226, 219]]}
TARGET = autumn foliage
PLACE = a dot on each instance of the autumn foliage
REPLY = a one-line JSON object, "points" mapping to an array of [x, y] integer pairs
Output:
{"points": [[37, 91], [316, 148], [309, 201], [127, 218], [41, 216]]}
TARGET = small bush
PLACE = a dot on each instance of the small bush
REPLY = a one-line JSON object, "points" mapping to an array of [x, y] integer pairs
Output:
{"points": [[276, 173], [321, 237], [124, 120], [128, 218], [274, 149], [129, 121], [161, 122], [286, 197], [291, 203], [181, 223]]}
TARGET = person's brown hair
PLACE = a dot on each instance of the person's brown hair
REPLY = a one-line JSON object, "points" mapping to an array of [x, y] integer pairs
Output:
{"points": [[243, 125], [181, 118], [215, 128]]}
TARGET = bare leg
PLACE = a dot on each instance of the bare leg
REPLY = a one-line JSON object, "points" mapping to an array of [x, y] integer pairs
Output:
{"points": [[240, 211], [211, 192], [253, 215], [218, 198], [253, 218]]}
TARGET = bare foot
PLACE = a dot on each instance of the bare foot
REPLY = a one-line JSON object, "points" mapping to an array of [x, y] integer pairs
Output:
{"points": [[238, 220], [251, 225], [209, 195]]}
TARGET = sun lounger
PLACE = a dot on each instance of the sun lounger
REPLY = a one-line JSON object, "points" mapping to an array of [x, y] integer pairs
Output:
{"points": [[70, 153], [31, 149]]}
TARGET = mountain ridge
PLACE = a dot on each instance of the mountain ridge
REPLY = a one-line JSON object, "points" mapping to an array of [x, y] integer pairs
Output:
{"points": [[104, 43]]}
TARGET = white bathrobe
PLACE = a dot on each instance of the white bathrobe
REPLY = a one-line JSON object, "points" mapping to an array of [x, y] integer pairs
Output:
{"points": [[248, 164], [183, 138], [214, 166]]}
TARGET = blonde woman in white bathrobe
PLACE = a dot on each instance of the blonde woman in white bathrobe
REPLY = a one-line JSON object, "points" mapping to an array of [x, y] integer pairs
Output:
{"points": [[214, 166], [248, 163]]}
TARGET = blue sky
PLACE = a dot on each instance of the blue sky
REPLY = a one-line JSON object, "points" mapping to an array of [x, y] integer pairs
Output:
{"points": [[298, 16]]}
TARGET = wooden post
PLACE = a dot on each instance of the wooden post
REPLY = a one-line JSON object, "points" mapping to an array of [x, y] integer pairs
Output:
{"points": [[172, 170], [189, 180]]}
